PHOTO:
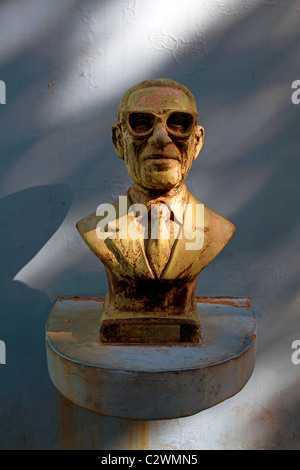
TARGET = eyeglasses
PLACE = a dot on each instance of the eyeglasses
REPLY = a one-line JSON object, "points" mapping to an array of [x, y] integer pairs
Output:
{"points": [[178, 123]]}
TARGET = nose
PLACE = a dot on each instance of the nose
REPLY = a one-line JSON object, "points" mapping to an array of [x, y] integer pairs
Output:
{"points": [[160, 135]]}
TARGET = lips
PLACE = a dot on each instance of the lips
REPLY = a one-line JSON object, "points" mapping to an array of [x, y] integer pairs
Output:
{"points": [[162, 156]]}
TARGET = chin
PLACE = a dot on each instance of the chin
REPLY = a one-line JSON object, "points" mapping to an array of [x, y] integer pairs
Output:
{"points": [[162, 174], [164, 180]]}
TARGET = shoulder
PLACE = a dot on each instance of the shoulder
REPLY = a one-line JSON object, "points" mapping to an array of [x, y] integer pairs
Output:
{"points": [[108, 211], [88, 227], [217, 229]]}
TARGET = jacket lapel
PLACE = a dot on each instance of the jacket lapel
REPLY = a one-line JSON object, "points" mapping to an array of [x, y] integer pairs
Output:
{"points": [[127, 256], [129, 252], [213, 235], [186, 251]]}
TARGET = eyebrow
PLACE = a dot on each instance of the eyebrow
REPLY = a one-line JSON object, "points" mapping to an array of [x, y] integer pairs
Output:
{"points": [[167, 110]]}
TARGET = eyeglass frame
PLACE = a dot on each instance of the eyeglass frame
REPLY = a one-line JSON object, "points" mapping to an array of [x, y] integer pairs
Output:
{"points": [[160, 118]]}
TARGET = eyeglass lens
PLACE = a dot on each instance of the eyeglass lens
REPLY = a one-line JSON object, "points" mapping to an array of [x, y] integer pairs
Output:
{"points": [[177, 123]]}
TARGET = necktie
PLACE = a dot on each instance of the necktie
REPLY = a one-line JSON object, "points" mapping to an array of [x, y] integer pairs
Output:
{"points": [[161, 237]]}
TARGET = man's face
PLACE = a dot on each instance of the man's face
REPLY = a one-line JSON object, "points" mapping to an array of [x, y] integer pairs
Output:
{"points": [[160, 136]]}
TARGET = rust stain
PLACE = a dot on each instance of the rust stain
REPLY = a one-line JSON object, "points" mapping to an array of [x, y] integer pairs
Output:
{"points": [[235, 409], [66, 424], [268, 413], [145, 435], [79, 299], [253, 336], [138, 435], [232, 301], [79, 428]]}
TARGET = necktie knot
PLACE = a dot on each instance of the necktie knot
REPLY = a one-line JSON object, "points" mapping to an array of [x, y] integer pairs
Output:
{"points": [[159, 221]]}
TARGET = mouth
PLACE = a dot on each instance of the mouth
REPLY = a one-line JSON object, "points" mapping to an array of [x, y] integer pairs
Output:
{"points": [[161, 156]]}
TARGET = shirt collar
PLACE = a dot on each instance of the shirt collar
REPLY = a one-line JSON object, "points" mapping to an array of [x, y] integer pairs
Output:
{"points": [[174, 199]]}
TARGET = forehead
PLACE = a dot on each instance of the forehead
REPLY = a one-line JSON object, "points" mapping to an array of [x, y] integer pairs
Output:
{"points": [[159, 100]]}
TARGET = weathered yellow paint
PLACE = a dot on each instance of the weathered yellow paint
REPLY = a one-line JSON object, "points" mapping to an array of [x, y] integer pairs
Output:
{"points": [[158, 137]]}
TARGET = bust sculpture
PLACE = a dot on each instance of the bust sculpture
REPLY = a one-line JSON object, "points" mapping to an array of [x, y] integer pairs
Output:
{"points": [[156, 239]]}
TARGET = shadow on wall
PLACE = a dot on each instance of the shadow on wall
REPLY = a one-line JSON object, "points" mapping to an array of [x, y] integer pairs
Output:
{"points": [[28, 220], [83, 429]]}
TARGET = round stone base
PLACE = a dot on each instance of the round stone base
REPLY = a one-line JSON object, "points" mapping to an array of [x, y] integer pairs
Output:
{"points": [[144, 381]]}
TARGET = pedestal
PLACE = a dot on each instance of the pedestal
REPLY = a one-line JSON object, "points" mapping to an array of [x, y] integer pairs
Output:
{"points": [[144, 381], [150, 327]]}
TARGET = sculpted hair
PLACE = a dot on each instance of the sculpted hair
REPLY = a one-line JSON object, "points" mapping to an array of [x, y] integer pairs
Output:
{"points": [[154, 82]]}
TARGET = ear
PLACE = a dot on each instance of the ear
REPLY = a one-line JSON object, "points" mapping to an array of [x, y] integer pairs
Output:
{"points": [[117, 140], [199, 139]]}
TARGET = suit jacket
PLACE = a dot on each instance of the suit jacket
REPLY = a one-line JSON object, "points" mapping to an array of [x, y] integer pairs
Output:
{"points": [[132, 283]]}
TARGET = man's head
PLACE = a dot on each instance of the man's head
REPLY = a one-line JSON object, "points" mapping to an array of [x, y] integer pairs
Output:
{"points": [[157, 133]]}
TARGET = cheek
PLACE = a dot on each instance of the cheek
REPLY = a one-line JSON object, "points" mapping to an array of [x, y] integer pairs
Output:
{"points": [[132, 153], [187, 154], [188, 149], [183, 148], [133, 150]]}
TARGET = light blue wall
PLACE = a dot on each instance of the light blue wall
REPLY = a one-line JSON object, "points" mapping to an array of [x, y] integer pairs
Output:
{"points": [[66, 65]]}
